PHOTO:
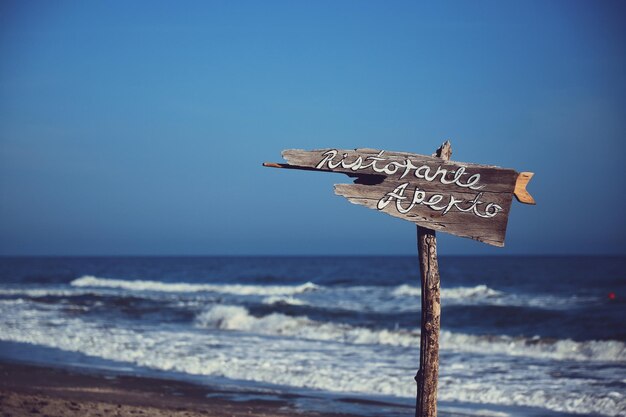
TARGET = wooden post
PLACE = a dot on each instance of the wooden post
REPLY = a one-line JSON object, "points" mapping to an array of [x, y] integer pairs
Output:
{"points": [[427, 376]]}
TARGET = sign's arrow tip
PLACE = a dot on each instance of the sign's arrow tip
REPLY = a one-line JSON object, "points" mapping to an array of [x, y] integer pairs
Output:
{"points": [[520, 188], [288, 166]]}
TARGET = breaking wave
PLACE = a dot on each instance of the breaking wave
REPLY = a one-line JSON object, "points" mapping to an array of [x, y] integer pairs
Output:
{"points": [[237, 318], [281, 299], [479, 291], [236, 289]]}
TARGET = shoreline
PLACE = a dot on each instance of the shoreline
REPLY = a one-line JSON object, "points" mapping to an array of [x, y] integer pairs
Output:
{"points": [[32, 390]]}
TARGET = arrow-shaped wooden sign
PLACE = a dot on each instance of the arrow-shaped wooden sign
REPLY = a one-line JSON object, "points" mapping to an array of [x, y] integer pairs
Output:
{"points": [[463, 199]]}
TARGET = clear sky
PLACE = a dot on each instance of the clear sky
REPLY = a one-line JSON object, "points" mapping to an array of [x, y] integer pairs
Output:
{"points": [[139, 127]]}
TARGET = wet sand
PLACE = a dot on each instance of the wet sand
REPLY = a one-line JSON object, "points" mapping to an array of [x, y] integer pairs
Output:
{"points": [[27, 390]]}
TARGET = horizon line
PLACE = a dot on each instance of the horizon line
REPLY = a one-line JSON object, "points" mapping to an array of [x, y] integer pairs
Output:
{"points": [[613, 254]]}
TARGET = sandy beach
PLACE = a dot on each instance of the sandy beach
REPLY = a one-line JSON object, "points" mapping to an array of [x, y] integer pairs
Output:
{"points": [[27, 390]]}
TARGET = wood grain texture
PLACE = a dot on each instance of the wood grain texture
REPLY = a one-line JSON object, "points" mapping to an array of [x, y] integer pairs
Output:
{"points": [[494, 178], [463, 199], [428, 373], [488, 230]]}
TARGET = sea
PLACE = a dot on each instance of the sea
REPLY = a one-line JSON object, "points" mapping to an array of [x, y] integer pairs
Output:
{"points": [[520, 336]]}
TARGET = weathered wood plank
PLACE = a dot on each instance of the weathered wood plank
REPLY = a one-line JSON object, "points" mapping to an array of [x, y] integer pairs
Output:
{"points": [[402, 166], [489, 230], [464, 199]]}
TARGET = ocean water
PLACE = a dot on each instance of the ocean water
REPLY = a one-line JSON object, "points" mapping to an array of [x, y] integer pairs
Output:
{"points": [[543, 336]]}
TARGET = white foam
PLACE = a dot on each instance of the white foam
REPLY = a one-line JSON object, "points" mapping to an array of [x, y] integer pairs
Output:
{"points": [[484, 295], [283, 359], [281, 299], [236, 289], [227, 317], [43, 292], [449, 293]]}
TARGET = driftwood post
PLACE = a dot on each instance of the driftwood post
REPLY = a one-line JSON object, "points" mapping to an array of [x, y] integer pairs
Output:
{"points": [[427, 375]]}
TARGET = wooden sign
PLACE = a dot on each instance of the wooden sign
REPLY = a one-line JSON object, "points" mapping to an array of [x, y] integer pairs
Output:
{"points": [[463, 199]]}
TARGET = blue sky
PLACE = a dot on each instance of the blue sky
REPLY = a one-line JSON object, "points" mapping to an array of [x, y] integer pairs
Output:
{"points": [[140, 127]]}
